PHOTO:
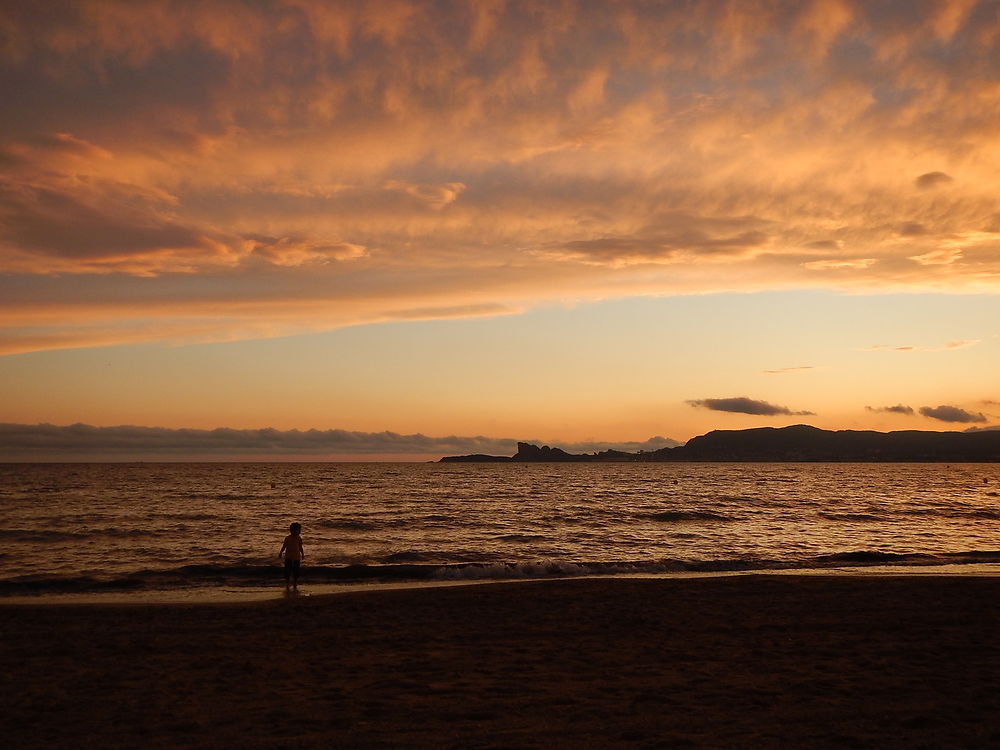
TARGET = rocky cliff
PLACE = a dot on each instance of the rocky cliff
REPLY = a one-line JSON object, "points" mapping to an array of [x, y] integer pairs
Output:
{"points": [[795, 443]]}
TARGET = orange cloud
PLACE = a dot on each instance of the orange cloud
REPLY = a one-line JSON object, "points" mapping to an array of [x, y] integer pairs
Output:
{"points": [[294, 165], [950, 346], [790, 370]]}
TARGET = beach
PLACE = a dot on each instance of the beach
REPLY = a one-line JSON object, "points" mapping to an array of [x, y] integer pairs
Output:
{"points": [[734, 661]]}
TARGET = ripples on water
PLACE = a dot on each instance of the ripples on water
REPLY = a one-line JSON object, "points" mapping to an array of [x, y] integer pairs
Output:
{"points": [[102, 522]]}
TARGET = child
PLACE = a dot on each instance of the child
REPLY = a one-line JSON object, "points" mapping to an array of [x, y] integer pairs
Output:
{"points": [[291, 548]]}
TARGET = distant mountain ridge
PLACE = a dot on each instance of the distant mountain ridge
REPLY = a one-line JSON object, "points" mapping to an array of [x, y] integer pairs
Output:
{"points": [[794, 443]]}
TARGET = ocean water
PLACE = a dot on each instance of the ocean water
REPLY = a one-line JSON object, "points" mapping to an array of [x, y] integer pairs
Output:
{"points": [[83, 527]]}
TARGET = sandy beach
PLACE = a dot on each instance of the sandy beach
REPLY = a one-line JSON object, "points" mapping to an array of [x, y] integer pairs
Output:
{"points": [[736, 662]]}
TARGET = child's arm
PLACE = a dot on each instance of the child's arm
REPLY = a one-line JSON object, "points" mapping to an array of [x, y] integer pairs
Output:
{"points": [[302, 550], [282, 550]]}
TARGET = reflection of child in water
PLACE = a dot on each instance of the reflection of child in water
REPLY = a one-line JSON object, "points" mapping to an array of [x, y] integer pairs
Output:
{"points": [[292, 550]]}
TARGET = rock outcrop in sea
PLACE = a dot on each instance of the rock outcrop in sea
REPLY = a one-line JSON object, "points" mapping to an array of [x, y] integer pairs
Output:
{"points": [[794, 443]]}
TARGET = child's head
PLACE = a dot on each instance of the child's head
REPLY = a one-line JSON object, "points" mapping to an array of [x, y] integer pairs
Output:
{"points": [[295, 528]]}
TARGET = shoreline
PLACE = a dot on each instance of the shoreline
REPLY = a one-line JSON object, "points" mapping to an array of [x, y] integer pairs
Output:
{"points": [[797, 661], [222, 595]]}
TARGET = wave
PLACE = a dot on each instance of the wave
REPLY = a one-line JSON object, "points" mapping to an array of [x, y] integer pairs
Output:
{"points": [[409, 556], [521, 537], [347, 524], [897, 515], [852, 517], [986, 514], [680, 516], [873, 557], [53, 535], [38, 535], [406, 567]]}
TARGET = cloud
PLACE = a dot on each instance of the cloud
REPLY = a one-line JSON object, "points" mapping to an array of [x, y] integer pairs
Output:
{"points": [[939, 257], [912, 229], [950, 346], [592, 446], [672, 238], [440, 313], [288, 251], [790, 370], [215, 171], [897, 409], [436, 196], [931, 180], [623, 251], [60, 226], [744, 405], [51, 442], [952, 414], [846, 263], [824, 245], [81, 439]]}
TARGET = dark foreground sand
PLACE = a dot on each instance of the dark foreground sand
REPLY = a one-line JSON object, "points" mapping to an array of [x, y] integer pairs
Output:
{"points": [[740, 662]]}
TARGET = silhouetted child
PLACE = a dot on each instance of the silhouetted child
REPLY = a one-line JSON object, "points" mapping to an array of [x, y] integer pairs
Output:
{"points": [[292, 550]]}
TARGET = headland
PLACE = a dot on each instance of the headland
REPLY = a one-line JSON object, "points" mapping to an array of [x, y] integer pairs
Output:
{"points": [[794, 443]]}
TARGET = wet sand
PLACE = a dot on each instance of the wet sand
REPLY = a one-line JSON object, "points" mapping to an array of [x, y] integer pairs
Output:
{"points": [[734, 662]]}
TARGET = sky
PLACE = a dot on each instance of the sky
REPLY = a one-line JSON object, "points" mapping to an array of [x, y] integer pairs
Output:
{"points": [[407, 229]]}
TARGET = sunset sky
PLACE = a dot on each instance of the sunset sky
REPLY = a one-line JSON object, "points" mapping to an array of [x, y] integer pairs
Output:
{"points": [[582, 223]]}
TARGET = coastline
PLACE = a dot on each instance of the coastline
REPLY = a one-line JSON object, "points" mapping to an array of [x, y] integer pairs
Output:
{"points": [[223, 595], [738, 660]]}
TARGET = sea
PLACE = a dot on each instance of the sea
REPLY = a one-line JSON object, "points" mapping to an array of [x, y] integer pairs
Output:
{"points": [[128, 527]]}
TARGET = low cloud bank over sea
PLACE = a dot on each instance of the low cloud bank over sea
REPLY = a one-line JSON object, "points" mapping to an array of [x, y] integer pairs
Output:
{"points": [[82, 441]]}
